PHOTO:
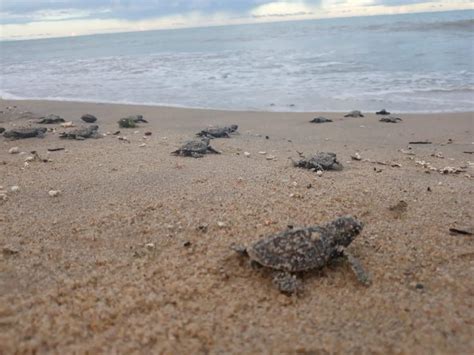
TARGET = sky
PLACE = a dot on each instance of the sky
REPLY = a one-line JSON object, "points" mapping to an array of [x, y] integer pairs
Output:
{"points": [[22, 19]]}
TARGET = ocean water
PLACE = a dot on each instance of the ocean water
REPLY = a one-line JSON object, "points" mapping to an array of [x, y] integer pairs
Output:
{"points": [[405, 63]]}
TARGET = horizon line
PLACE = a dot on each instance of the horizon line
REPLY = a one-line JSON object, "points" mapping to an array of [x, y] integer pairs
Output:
{"points": [[270, 20]]}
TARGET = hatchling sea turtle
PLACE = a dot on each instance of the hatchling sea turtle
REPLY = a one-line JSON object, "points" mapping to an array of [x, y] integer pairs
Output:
{"points": [[354, 113], [320, 120], [21, 133], [81, 133], [391, 119], [382, 112], [131, 121], [320, 162], [195, 148], [51, 119], [218, 132], [295, 251], [89, 118]]}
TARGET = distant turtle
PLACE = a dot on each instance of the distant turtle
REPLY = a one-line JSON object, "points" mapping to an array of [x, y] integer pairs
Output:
{"points": [[294, 251], [320, 119], [89, 118], [21, 133], [391, 119], [354, 113], [51, 119], [218, 132], [320, 162], [195, 148], [382, 112], [81, 133]]}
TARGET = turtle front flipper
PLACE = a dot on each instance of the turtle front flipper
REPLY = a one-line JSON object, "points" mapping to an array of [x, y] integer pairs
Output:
{"points": [[196, 155], [358, 269], [212, 150], [240, 249], [286, 282]]}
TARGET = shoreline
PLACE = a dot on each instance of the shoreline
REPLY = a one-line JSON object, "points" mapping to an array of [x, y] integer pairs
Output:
{"points": [[168, 106], [133, 252]]}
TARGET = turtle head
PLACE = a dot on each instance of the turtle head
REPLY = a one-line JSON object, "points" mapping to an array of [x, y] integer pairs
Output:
{"points": [[234, 127], [343, 230]]}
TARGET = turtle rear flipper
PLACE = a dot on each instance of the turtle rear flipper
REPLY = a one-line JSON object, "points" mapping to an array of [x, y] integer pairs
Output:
{"points": [[358, 269], [286, 282]]}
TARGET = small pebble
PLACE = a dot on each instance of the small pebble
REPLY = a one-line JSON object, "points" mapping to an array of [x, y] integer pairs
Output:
{"points": [[247, 154], [356, 156], [270, 157], [54, 193], [147, 133], [263, 153], [15, 188], [150, 246], [142, 145], [14, 150], [30, 158], [221, 224], [319, 173]]}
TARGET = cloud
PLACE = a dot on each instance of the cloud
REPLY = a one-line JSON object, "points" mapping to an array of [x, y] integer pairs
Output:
{"points": [[46, 18], [283, 8]]}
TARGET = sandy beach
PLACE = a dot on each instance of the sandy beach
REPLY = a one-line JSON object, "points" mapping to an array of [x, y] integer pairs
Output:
{"points": [[133, 254]]}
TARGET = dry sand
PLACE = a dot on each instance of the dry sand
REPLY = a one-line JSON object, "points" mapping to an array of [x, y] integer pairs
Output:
{"points": [[83, 279]]}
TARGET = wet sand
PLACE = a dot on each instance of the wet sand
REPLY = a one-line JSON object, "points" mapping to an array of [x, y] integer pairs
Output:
{"points": [[77, 275]]}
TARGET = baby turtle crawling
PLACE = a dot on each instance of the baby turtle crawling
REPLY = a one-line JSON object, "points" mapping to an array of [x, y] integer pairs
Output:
{"points": [[294, 251], [51, 119], [354, 113], [391, 119], [320, 120], [195, 148], [21, 133], [382, 112], [218, 132], [320, 162], [82, 133], [131, 121]]}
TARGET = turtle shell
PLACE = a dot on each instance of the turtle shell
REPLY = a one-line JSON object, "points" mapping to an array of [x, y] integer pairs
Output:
{"points": [[196, 146], [293, 250]]}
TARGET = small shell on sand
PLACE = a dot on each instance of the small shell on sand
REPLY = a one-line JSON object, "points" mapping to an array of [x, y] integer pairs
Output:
{"points": [[15, 188], [54, 193], [247, 154], [14, 150], [356, 156], [150, 246]]}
